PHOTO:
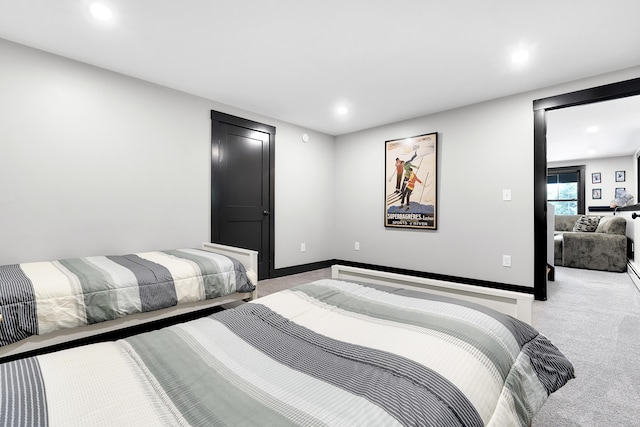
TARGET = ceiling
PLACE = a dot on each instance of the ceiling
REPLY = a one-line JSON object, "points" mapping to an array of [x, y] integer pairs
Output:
{"points": [[602, 129], [297, 60]]}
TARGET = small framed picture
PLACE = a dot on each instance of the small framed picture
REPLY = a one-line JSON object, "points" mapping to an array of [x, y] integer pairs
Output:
{"points": [[596, 178], [596, 193], [620, 191], [620, 176]]}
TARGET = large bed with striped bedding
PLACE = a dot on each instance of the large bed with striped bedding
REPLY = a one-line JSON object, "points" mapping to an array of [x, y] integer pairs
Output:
{"points": [[329, 352], [40, 298]]}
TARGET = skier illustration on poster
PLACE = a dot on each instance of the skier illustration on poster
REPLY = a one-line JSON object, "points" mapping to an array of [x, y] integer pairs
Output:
{"points": [[411, 196]]}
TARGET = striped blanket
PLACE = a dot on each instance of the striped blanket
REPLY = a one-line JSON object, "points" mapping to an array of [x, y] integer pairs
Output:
{"points": [[40, 297], [325, 353]]}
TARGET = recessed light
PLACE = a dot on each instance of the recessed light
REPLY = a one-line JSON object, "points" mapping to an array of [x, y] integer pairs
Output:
{"points": [[342, 110], [100, 11], [591, 152], [520, 56], [592, 129]]}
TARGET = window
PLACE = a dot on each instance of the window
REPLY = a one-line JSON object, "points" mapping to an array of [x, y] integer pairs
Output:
{"points": [[565, 190]]}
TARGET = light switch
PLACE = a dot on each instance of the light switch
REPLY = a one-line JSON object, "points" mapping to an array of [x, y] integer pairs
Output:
{"points": [[506, 194]]}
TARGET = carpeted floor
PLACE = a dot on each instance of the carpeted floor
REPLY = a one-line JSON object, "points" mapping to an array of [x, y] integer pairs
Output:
{"points": [[594, 318], [269, 286]]}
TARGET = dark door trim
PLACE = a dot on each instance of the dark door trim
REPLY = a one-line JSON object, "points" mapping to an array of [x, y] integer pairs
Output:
{"points": [[540, 107], [216, 119]]}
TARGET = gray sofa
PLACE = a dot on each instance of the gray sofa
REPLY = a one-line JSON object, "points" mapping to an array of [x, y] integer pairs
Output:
{"points": [[604, 248]]}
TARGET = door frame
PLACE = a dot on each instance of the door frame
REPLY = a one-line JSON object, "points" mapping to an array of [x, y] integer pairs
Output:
{"points": [[218, 117], [607, 92]]}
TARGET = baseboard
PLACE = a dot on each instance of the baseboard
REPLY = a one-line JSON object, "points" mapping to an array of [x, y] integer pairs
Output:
{"points": [[287, 271], [455, 279], [633, 272], [296, 269]]}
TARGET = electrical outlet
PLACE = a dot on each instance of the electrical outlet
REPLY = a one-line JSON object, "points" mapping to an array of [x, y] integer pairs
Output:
{"points": [[303, 247], [506, 195], [506, 260], [356, 246]]}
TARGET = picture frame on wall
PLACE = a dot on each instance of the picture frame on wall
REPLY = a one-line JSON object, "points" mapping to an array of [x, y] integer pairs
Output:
{"points": [[620, 192], [596, 193], [411, 186], [596, 178], [620, 176]]}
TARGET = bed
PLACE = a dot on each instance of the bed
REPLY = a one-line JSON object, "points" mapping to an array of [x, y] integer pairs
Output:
{"points": [[330, 352], [46, 304]]}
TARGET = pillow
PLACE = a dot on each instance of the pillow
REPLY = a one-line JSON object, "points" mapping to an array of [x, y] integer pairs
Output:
{"points": [[586, 223], [612, 225], [603, 225]]}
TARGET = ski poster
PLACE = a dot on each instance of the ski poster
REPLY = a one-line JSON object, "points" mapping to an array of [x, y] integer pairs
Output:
{"points": [[411, 182]]}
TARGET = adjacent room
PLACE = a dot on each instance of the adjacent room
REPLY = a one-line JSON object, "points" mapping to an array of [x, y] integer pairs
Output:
{"points": [[328, 213]]}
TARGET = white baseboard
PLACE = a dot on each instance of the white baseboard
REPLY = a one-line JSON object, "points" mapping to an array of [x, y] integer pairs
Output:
{"points": [[634, 273], [516, 304]]}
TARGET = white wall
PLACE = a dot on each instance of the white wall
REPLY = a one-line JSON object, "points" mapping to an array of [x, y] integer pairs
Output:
{"points": [[94, 162], [483, 149], [607, 168], [632, 231], [479, 154], [304, 196]]}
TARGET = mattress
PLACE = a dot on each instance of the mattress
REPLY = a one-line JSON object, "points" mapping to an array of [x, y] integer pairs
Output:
{"points": [[325, 353], [41, 297]]}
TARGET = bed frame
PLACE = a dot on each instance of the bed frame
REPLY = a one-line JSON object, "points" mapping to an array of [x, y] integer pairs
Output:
{"points": [[516, 304], [65, 337]]}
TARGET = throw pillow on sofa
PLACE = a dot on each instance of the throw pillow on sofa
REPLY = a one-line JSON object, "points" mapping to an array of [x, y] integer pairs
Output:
{"points": [[612, 224], [587, 223], [603, 225]]}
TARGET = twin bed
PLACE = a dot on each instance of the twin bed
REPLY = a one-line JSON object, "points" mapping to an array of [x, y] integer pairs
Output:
{"points": [[49, 304], [363, 348]]}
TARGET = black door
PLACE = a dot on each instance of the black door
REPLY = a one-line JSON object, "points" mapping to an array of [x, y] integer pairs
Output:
{"points": [[242, 181]]}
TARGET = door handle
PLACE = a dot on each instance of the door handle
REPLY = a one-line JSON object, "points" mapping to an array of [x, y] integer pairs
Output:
{"points": [[265, 213]]}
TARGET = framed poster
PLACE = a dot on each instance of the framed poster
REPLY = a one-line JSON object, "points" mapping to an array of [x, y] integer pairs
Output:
{"points": [[620, 176], [596, 193], [595, 178], [411, 182], [620, 192]]}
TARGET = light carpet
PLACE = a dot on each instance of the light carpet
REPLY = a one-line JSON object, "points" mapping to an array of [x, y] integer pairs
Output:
{"points": [[594, 318]]}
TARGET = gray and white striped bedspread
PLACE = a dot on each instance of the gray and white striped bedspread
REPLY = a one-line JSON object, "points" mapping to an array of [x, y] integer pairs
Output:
{"points": [[326, 353], [41, 297]]}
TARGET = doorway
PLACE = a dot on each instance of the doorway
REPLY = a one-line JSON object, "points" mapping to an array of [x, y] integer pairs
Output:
{"points": [[540, 107], [242, 186]]}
